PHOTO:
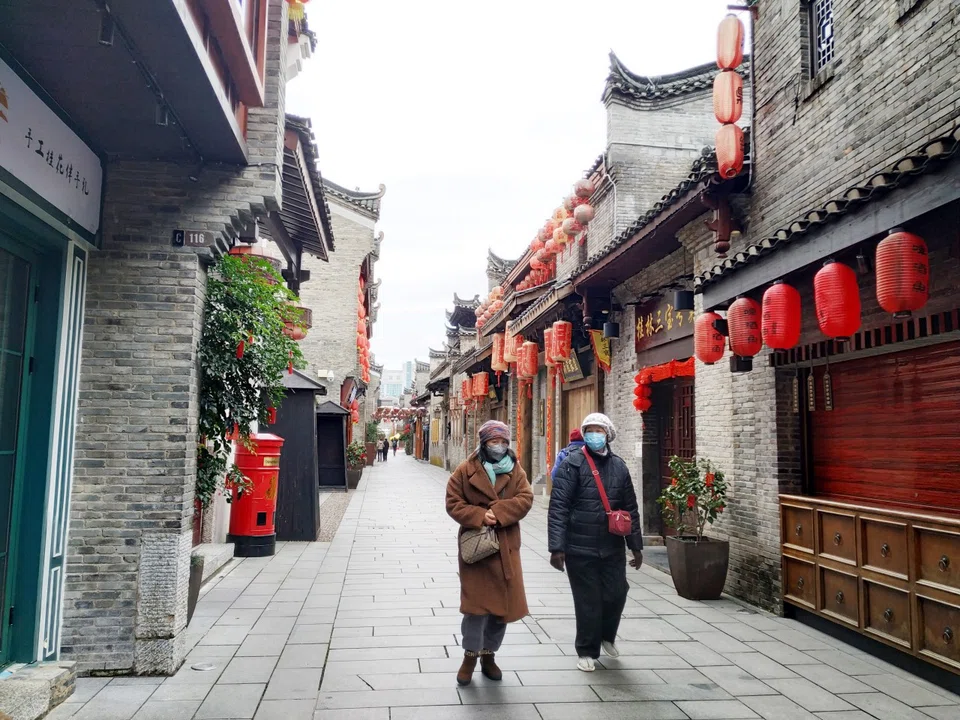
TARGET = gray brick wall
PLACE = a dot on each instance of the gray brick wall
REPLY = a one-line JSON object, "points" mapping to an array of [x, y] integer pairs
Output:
{"points": [[809, 147], [331, 345], [135, 468]]}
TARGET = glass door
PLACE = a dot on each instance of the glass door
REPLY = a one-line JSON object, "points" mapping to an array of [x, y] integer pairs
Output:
{"points": [[15, 305]]}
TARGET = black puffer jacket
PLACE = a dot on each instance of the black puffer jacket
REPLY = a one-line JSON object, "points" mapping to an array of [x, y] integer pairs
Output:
{"points": [[577, 522]]}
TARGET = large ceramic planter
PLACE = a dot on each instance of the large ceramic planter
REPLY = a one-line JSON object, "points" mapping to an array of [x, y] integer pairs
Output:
{"points": [[699, 569], [193, 588], [371, 450], [353, 477]]}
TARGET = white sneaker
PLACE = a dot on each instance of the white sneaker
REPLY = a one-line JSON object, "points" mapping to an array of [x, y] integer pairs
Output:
{"points": [[586, 664], [610, 649]]}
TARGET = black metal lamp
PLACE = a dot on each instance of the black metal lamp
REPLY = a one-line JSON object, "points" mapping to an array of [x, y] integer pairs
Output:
{"points": [[683, 300], [611, 330]]}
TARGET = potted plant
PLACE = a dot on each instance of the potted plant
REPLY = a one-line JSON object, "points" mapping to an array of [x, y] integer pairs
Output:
{"points": [[356, 459], [372, 431], [695, 498], [193, 589]]}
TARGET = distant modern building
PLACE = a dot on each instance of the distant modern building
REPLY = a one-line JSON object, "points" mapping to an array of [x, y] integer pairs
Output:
{"points": [[409, 372], [392, 384]]}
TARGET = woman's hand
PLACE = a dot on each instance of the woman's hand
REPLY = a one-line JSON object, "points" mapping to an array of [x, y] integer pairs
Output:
{"points": [[558, 559], [489, 518]]}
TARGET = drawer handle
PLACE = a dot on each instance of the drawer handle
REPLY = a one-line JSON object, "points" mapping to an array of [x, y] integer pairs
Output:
{"points": [[799, 530], [944, 563], [888, 614], [884, 550], [947, 635], [839, 597], [837, 538], [800, 584]]}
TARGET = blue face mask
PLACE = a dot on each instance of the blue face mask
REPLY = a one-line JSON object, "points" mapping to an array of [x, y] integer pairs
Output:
{"points": [[596, 441]]}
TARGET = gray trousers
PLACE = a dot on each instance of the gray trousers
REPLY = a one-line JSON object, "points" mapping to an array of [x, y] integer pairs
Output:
{"points": [[482, 633]]}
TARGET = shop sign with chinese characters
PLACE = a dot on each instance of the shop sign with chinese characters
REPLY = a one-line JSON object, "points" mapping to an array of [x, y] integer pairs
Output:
{"points": [[41, 152], [658, 322]]}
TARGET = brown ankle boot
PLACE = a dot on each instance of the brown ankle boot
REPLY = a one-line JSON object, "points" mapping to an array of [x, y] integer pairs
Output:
{"points": [[465, 673], [489, 667]]}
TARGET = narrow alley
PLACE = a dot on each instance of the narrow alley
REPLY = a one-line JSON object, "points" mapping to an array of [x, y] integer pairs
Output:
{"points": [[366, 628]]}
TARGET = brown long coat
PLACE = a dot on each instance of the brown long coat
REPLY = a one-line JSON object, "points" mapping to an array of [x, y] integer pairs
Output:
{"points": [[494, 585]]}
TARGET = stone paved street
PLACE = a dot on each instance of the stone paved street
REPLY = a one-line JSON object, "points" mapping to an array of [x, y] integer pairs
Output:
{"points": [[366, 628]]}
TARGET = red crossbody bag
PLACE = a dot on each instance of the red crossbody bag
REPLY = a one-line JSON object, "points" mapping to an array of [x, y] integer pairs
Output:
{"points": [[618, 521]]}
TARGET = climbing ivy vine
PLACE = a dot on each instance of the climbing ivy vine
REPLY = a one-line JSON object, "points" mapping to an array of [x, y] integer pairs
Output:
{"points": [[244, 353]]}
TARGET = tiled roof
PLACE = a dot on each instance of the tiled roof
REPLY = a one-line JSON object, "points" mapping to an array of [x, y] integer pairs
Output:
{"points": [[303, 127], [642, 89], [367, 202], [554, 296], [924, 159], [704, 168], [497, 267], [596, 165]]}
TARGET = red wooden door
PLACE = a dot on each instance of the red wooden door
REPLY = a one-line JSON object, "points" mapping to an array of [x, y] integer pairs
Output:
{"points": [[677, 429], [894, 432]]}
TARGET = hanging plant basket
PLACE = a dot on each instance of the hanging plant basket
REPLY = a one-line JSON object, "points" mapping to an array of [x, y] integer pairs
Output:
{"points": [[252, 252], [298, 322]]}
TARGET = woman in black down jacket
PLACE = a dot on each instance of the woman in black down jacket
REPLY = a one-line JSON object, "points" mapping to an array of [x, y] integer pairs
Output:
{"points": [[579, 539]]}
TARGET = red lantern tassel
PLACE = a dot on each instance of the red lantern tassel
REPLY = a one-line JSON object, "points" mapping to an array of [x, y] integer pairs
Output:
{"points": [[271, 415], [240, 348], [498, 378], [290, 363]]}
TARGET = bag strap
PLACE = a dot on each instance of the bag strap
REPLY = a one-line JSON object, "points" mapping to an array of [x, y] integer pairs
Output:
{"points": [[596, 478]]}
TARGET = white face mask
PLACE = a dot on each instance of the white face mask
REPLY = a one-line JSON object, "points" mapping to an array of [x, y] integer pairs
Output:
{"points": [[496, 451]]}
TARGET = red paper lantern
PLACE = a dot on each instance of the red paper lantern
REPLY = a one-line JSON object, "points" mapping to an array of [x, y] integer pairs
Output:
{"points": [[481, 385], [560, 237], [571, 227], [729, 150], [465, 389], [510, 346], [730, 37], [530, 360], [837, 299], [562, 340], [743, 319], [551, 247], [903, 273], [642, 404], [728, 96], [584, 213], [548, 348], [708, 342], [781, 316], [536, 245], [497, 362], [583, 188]]}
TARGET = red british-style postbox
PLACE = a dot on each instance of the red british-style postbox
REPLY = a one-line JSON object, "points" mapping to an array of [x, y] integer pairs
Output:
{"points": [[253, 513]]}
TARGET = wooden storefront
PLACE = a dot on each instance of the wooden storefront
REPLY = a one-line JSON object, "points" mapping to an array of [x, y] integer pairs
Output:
{"points": [[870, 539], [663, 334]]}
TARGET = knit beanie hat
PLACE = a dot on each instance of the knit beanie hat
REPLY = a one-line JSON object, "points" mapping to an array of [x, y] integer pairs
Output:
{"points": [[601, 420], [576, 435], [493, 429]]}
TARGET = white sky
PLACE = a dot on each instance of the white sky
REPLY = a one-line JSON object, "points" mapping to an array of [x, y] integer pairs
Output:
{"points": [[478, 117]]}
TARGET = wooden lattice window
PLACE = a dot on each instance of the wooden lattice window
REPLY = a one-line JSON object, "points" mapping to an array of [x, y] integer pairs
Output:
{"points": [[821, 35]]}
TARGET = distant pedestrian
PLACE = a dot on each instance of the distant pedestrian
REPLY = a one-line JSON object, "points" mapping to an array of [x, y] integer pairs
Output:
{"points": [[395, 444], [489, 489], [580, 538], [576, 442], [384, 449]]}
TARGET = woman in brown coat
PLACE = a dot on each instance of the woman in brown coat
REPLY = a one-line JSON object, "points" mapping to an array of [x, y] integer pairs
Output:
{"points": [[490, 488]]}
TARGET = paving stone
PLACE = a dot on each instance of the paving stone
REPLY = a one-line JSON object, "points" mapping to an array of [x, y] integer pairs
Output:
{"points": [[762, 667], [231, 702], [716, 710], [600, 677], [738, 681], [267, 625], [883, 707], [492, 695], [696, 654], [259, 645], [286, 710], [664, 691], [245, 670], [832, 680], [905, 691], [468, 712], [86, 688], [294, 684], [808, 695], [611, 711], [181, 691], [388, 698], [167, 710], [303, 656], [776, 707]]}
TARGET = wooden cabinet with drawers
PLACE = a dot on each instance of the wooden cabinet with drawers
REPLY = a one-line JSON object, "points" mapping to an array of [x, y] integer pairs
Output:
{"points": [[891, 574]]}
